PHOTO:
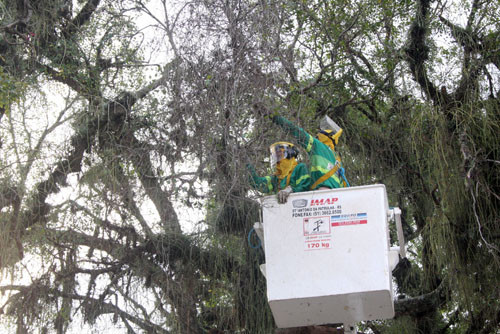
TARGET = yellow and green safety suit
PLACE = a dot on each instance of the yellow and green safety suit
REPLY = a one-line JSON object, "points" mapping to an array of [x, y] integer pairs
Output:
{"points": [[299, 179], [322, 158]]}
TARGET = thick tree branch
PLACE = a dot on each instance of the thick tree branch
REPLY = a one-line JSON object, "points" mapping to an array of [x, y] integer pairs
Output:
{"points": [[128, 99], [8, 196], [417, 52], [159, 250], [463, 37], [476, 44], [64, 79], [140, 157], [70, 164], [82, 17], [419, 305]]}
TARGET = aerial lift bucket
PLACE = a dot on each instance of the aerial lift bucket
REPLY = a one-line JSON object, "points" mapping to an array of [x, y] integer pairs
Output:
{"points": [[328, 256]]}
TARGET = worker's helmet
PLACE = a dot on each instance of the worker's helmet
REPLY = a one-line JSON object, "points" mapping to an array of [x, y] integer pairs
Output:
{"points": [[329, 136], [282, 150]]}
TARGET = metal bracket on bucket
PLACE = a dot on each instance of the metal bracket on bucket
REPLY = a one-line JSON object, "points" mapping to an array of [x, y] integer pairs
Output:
{"points": [[259, 229], [397, 251], [401, 237]]}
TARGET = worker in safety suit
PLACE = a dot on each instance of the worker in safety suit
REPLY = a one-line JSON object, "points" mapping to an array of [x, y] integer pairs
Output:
{"points": [[290, 176], [326, 167]]}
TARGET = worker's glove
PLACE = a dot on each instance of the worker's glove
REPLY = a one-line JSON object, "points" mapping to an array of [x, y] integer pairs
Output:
{"points": [[283, 194]]}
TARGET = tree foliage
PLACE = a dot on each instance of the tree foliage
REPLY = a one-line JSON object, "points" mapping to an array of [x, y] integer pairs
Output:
{"points": [[120, 118]]}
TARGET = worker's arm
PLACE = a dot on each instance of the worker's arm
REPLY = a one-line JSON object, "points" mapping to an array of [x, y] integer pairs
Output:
{"points": [[303, 138], [301, 180], [265, 184]]}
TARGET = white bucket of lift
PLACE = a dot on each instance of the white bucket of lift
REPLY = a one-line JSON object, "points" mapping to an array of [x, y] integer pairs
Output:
{"points": [[328, 258]]}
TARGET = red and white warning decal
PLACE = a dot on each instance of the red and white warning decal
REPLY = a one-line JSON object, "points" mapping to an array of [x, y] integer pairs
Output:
{"points": [[317, 233], [350, 219]]}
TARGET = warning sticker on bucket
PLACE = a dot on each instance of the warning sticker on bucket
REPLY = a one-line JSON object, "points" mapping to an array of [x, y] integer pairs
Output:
{"points": [[317, 233], [349, 219]]}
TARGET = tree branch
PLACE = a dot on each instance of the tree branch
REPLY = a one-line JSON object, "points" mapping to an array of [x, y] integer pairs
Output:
{"points": [[151, 184], [158, 250], [64, 79], [112, 114], [417, 52], [8, 195], [93, 307], [22, 20], [82, 17], [422, 304], [474, 43]]}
